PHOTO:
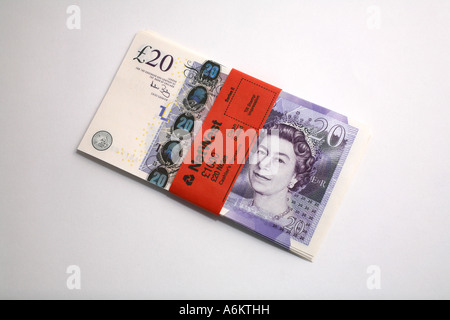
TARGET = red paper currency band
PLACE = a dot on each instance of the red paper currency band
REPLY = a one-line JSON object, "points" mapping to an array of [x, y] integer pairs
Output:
{"points": [[217, 156]]}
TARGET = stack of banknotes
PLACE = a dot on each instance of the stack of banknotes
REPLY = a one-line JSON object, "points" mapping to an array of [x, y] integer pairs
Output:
{"points": [[230, 143]]}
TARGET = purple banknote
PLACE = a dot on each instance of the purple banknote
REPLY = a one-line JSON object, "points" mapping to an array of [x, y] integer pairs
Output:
{"points": [[284, 187]]}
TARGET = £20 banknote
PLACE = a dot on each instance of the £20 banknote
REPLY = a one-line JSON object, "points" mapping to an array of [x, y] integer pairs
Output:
{"points": [[232, 144]]}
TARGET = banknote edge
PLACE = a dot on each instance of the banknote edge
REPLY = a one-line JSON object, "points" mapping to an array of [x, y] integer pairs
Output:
{"points": [[347, 176], [97, 110]]}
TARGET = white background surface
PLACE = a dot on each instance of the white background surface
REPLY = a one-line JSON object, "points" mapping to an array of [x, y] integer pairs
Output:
{"points": [[59, 208]]}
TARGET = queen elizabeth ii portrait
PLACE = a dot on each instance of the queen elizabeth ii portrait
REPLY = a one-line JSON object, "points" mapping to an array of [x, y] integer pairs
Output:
{"points": [[282, 162]]}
